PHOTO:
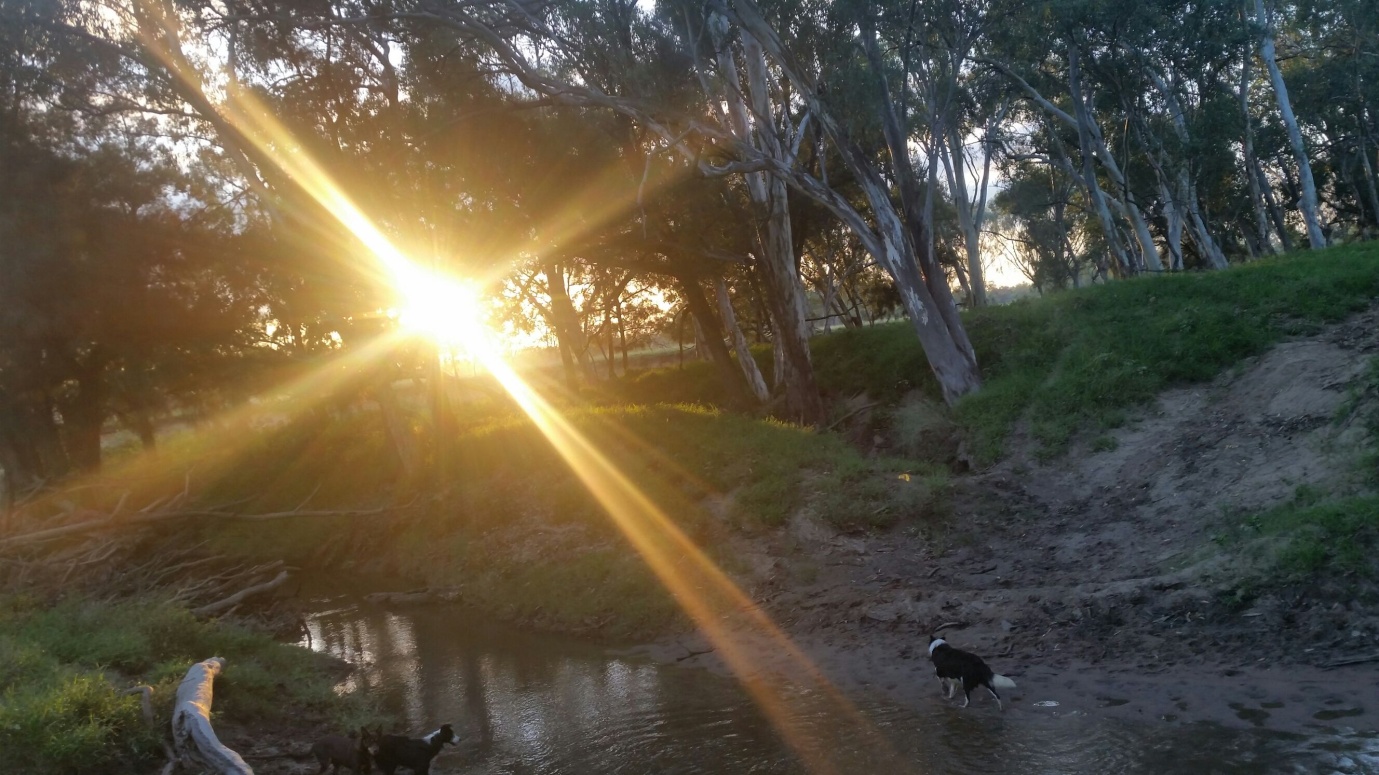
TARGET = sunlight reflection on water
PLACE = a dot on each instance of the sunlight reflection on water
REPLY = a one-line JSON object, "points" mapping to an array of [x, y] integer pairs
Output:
{"points": [[533, 703]]}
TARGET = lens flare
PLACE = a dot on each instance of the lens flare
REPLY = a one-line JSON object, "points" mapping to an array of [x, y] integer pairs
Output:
{"points": [[443, 309]]}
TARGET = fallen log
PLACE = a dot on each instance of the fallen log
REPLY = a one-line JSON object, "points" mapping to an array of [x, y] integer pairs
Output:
{"points": [[192, 734], [225, 604]]}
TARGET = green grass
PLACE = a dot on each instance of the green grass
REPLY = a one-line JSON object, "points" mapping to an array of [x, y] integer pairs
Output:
{"points": [[1334, 536], [678, 455], [1079, 360], [521, 528], [63, 671], [1311, 535]]}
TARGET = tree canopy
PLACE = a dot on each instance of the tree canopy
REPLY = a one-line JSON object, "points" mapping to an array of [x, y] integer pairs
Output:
{"points": [[613, 174]]}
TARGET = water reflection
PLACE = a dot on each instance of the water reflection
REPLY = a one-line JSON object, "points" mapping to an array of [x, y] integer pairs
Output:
{"points": [[527, 703]]}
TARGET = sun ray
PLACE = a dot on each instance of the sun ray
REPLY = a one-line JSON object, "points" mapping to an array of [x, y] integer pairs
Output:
{"points": [[711, 599], [213, 451]]}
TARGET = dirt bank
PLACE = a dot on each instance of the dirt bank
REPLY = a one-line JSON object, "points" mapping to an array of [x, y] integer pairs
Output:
{"points": [[1099, 577]]}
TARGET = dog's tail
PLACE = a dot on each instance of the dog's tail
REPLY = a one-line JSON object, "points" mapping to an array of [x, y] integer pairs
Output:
{"points": [[1001, 682]]}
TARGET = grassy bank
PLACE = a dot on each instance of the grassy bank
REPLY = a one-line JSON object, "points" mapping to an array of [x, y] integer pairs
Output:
{"points": [[64, 671], [1318, 533], [519, 530], [1079, 360]]}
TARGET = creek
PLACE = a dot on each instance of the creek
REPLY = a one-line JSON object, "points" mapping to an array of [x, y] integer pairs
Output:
{"points": [[525, 702]]}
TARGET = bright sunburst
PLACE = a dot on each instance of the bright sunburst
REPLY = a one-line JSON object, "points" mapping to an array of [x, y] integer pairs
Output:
{"points": [[440, 308]]}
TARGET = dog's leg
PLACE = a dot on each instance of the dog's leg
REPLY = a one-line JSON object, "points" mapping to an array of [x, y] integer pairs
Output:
{"points": [[967, 687], [999, 706]]}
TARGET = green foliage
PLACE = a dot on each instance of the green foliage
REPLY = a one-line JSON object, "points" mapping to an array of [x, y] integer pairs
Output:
{"points": [[881, 495], [63, 671], [1337, 536], [883, 361]]}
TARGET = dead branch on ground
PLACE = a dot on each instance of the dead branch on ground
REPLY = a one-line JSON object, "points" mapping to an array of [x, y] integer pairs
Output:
{"points": [[192, 734]]}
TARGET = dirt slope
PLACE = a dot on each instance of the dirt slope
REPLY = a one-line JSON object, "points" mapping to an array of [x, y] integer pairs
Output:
{"points": [[1104, 560]]}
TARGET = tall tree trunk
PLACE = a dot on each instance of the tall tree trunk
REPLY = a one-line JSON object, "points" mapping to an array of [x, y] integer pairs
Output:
{"points": [[711, 334], [1275, 212], [954, 164], [923, 285], [885, 235], [1148, 253], [784, 294], [1368, 174], [84, 415], [611, 357], [1095, 143], [1201, 233], [1308, 203], [1089, 177], [1251, 163], [567, 329], [1185, 188], [622, 337], [745, 361], [1173, 234]]}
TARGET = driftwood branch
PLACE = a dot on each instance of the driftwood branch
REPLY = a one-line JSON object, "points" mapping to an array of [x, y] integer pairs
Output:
{"points": [[145, 700], [225, 604], [146, 703], [192, 735], [853, 413]]}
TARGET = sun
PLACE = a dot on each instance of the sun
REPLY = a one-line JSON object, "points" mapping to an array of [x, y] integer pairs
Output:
{"points": [[441, 308]]}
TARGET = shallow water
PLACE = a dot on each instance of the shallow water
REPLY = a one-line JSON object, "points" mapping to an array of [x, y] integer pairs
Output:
{"points": [[533, 703]]}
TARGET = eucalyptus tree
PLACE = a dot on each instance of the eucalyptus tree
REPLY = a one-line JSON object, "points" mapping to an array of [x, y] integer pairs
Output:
{"points": [[789, 99], [111, 294], [1307, 202], [1171, 99], [1047, 58], [1048, 220], [1336, 76], [928, 46]]}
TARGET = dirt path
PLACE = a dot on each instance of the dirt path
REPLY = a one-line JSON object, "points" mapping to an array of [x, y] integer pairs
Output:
{"points": [[1096, 574]]}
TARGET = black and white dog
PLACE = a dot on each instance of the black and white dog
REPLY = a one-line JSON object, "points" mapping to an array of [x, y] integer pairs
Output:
{"points": [[955, 665]]}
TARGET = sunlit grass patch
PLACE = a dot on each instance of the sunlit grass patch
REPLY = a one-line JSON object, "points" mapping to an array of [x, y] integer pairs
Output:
{"points": [[64, 670]]}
